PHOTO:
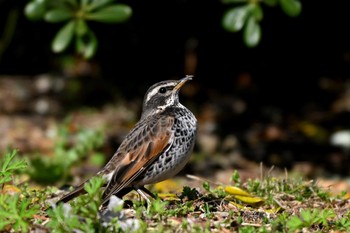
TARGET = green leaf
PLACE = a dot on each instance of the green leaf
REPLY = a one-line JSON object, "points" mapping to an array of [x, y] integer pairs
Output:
{"points": [[84, 3], [73, 2], [17, 212], [63, 37], [270, 2], [257, 12], [323, 216], [93, 186], [58, 15], [81, 27], [97, 4], [62, 219], [206, 186], [252, 32], [294, 223], [8, 159], [111, 14], [291, 7], [17, 165], [34, 10], [5, 179], [235, 18], [86, 45], [4, 223], [10, 166], [235, 177], [308, 216]]}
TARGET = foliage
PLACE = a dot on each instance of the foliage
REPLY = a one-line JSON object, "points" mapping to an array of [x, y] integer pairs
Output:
{"points": [[308, 218], [65, 218], [10, 165], [284, 205], [77, 20], [247, 17], [75, 14], [71, 147], [15, 212]]}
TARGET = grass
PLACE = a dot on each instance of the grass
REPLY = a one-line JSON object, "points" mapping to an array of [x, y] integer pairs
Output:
{"points": [[266, 204]]}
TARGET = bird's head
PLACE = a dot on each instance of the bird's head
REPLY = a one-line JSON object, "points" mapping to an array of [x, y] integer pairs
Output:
{"points": [[162, 95]]}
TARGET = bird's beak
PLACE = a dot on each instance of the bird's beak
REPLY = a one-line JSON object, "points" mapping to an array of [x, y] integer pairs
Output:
{"points": [[182, 82]]}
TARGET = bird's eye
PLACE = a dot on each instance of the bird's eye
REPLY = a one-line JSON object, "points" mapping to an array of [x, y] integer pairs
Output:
{"points": [[162, 90]]}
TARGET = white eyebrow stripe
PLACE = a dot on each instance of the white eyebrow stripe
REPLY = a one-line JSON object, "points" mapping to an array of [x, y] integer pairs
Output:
{"points": [[151, 93], [155, 90]]}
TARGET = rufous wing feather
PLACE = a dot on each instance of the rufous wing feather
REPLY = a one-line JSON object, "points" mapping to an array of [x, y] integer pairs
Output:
{"points": [[135, 159]]}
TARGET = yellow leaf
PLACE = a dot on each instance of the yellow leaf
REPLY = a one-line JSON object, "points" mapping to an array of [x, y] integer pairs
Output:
{"points": [[273, 211], [237, 205], [167, 186], [347, 196], [168, 197], [249, 200], [236, 191], [10, 189]]}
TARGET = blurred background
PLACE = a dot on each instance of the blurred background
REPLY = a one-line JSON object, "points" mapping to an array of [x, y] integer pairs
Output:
{"points": [[271, 81]]}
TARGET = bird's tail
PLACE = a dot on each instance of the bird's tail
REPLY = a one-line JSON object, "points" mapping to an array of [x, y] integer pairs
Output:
{"points": [[76, 192]]}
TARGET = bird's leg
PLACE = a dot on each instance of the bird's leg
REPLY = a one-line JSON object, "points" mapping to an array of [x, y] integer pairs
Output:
{"points": [[148, 192], [143, 195]]}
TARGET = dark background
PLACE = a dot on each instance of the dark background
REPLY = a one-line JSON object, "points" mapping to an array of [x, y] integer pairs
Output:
{"points": [[296, 73], [292, 55]]}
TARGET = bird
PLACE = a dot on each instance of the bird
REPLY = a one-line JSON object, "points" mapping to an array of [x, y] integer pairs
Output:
{"points": [[157, 148]]}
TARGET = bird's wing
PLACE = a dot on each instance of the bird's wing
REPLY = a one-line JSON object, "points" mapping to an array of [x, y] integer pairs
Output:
{"points": [[141, 147]]}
